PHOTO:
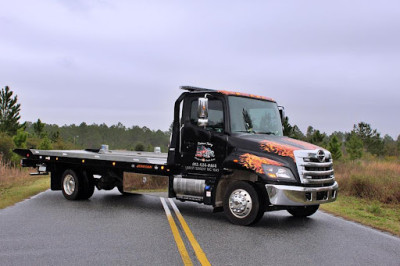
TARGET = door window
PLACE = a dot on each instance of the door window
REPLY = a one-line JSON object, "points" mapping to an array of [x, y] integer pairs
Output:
{"points": [[215, 115]]}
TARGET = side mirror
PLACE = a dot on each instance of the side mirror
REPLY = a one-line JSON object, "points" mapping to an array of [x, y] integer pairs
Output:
{"points": [[202, 112], [282, 113]]}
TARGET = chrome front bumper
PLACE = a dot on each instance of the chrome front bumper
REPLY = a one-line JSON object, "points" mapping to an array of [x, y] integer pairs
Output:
{"points": [[282, 195]]}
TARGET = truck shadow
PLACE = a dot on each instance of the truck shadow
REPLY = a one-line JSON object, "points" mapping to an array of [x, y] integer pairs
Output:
{"points": [[191, 211]]}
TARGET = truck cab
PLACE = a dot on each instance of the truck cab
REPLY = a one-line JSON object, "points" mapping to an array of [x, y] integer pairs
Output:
{"points": [[228, 150]]}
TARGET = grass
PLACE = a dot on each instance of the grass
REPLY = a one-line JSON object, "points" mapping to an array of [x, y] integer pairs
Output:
{"points": [[385, 217], [16, 184], [369, 193], [375, 179]]}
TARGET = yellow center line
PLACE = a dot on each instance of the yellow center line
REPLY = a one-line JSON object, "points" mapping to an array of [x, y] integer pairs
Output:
{"points": [[201, 256], [178, 239]]}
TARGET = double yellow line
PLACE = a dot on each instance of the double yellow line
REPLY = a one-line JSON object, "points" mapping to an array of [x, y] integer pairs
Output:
{"points": [[201, 256]]}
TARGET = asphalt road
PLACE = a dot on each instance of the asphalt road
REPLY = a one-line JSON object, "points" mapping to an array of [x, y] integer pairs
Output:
{"points": [[111, 229]]}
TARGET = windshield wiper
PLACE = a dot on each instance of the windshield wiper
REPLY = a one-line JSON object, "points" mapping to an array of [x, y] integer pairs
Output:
{"points": [[266, 133], [245, 131]]}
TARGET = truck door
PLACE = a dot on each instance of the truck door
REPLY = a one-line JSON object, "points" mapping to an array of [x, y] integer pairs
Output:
{"points": [[203, 149]]}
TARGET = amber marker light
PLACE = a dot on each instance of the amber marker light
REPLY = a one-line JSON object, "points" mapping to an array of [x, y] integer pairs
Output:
{"points": [[113, 163], [83, 161], [271, 175]]}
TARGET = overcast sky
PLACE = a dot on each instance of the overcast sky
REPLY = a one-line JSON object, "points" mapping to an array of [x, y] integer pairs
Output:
{"points": [[330, 63]]}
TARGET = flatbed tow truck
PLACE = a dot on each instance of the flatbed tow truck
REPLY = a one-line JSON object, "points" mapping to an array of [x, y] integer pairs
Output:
{"points": [[227, 150]]}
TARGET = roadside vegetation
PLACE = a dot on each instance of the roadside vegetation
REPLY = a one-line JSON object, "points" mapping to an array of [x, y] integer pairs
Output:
{"points": [[369, 192], [367, 165], [16, 184]]}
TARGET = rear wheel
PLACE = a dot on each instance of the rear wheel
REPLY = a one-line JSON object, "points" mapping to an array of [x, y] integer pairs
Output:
{"points": [[70, 185], [242, 204], [121, 189], [303, 211], [87, 186]]}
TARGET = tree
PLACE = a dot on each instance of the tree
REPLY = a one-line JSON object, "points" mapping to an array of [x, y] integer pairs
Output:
{"points": [[371, 139], [291, 131], [45, 144], [6, 146], [390, 148], [334, 147], [287, 128], [139, 147], [38, 128], [9, 112], [354, 147], [20, 138]]}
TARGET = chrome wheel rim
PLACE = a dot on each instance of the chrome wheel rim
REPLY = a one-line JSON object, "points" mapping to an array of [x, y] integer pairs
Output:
{"points": [[69, 184], [240, 203]]}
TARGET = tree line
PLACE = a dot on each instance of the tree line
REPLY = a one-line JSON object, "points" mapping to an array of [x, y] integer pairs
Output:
{"points": [[361, 141]]}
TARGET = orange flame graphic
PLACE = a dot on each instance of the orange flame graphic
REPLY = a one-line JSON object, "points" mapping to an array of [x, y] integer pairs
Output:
{"points": [[255, 163], [246, 95], [305, 145], [280, 149]]}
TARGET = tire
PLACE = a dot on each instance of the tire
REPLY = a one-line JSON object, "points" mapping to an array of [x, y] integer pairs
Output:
{"points": [[303, 211], [242, 204], [121, 189], [87, 186], [70, 185]]}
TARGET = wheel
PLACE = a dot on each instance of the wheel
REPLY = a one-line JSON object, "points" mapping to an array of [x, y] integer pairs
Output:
{"points": [[242, 204], [70, 185], [87, 186], [303, 211], [121, 189]]}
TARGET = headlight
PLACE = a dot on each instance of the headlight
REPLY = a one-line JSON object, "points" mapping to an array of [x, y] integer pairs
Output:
{"points": [[278, 173]]}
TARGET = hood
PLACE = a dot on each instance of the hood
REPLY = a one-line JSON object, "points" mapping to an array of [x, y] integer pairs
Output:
{"points": [[253, 150]]}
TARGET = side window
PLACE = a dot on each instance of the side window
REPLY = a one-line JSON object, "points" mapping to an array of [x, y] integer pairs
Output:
{"points": [[215, 115]]}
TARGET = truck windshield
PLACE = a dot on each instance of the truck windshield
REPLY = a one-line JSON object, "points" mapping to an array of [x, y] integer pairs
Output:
{"points": [[254, 116]]}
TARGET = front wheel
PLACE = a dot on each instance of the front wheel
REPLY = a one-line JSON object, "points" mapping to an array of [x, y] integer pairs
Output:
{"points": [[303, 211], [242, 204]]}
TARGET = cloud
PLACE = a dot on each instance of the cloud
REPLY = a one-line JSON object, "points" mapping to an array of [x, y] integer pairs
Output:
{"points": [[331, 63]]}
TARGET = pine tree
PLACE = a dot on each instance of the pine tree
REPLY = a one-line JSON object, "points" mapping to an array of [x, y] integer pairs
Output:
{"points": [[38, 128], [9, 112], [354, 147], [371, 139], [334, 147], [20, 138], [287, 128]]}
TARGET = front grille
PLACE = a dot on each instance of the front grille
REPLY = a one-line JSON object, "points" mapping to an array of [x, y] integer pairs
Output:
{"points": [[314, 170]]}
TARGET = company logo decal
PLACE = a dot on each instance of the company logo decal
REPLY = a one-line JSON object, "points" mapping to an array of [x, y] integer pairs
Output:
{"points": [[255, 163], [204, 152]]}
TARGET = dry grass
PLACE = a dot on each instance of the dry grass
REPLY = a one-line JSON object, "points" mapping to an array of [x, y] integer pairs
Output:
{"points": [[10, 174], [16, 184], [373, 180]]}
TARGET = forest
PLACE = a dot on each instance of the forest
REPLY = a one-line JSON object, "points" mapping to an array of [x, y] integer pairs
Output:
{"points": [[360, 142]]}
